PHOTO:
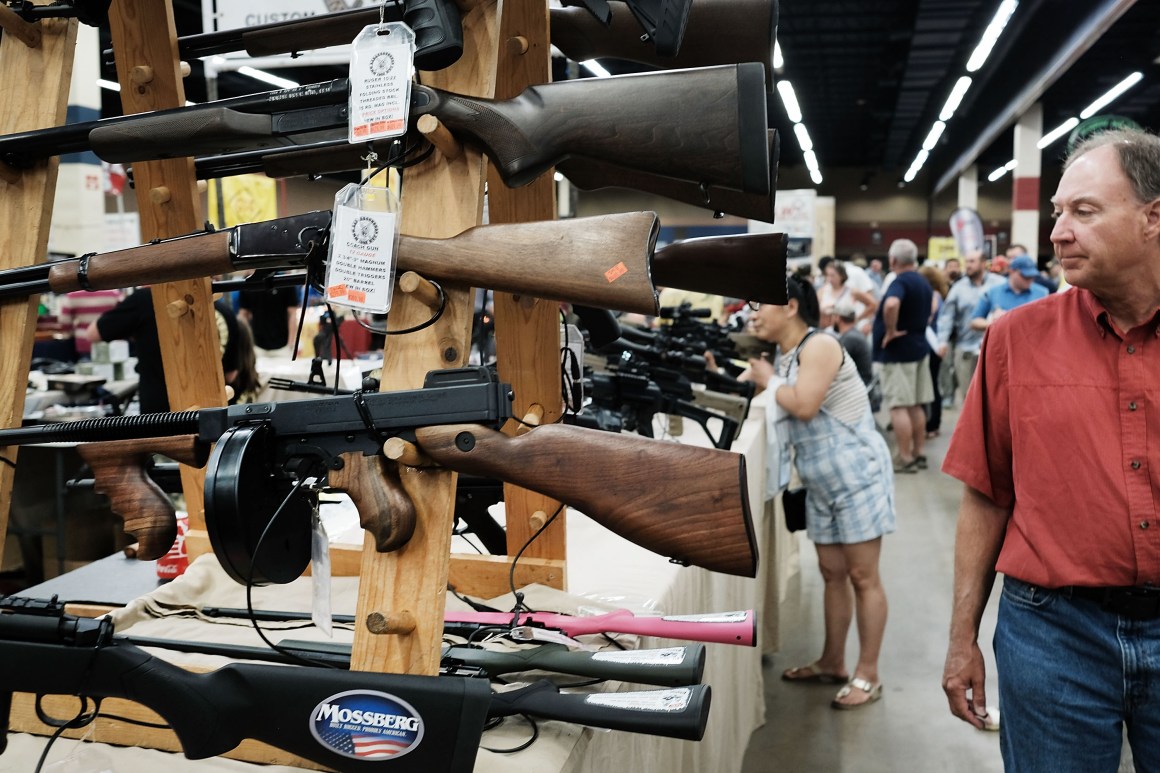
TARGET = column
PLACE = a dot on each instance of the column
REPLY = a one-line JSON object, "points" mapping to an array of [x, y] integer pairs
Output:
{"points": [[1025, 185], [969, 188]]}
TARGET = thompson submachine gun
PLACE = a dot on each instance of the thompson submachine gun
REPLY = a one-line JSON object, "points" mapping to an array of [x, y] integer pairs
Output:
{"points": [[264, 453]]}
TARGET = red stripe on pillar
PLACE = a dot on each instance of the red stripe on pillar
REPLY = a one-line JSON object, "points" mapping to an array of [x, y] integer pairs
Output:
{"points": [[1025, 193]]}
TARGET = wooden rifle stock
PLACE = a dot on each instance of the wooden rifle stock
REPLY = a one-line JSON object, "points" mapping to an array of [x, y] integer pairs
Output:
{"points": [[717, 32], [750, 266], [704, 124], [119, 473], [606, 265], [690, 504], [166, 261]]}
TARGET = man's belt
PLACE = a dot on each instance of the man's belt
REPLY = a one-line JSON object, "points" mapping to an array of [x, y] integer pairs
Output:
{"points": [[1136, 602]]}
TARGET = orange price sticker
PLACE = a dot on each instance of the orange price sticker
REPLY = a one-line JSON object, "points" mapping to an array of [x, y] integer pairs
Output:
{"points": [[356, 296], [616, 272], [337, 291]]}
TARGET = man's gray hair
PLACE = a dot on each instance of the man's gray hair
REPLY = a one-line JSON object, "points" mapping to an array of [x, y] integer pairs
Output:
{"points": [[1139, 154], [904, 251]]}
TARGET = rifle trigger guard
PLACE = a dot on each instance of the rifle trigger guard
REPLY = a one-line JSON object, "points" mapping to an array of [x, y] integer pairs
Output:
{"points": [[83, 271]]}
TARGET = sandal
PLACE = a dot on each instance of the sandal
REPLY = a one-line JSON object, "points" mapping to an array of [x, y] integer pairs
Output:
{"points": [[813, 674], [920, 462], [908, 468], [873, 694]]}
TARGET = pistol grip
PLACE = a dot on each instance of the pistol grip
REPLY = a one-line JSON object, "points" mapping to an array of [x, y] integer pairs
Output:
{"points": [[119, 473], [438, 32], [384, 508]]}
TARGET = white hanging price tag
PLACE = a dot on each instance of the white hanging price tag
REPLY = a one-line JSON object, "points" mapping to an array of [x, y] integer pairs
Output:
{"points": [[381, 65], [364, 237]]}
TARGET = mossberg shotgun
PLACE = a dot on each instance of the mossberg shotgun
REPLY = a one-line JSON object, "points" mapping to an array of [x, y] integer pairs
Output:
{"points": [[687, 503], [706, 125], [346, 720], [599, 261], [667, 667]]}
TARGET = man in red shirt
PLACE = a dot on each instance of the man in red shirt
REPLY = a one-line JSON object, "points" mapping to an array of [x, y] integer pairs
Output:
{"points": [[1056, 443]]}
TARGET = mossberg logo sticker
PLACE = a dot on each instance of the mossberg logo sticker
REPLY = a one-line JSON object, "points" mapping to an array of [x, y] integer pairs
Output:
{"points": [[366, 725]]}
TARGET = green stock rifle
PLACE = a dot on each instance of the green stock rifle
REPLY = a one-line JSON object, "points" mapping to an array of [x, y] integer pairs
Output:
{"points": [[706, 125], [346, 720], [270, 459], [567, 260], [667, 667]]}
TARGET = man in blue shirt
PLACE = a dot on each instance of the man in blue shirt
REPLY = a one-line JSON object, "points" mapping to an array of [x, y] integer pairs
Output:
{"points": [[900, 345], [1019, 289], [954, 320]]}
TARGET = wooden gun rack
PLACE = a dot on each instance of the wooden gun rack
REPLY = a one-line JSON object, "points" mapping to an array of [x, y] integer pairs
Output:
{"points": [[401, 594]]}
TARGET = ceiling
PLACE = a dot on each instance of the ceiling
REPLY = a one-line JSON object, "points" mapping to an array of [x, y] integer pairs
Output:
{"points": [[872, 75]]}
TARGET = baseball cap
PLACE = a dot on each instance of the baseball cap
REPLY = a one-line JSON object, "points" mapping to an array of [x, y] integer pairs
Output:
{"points": [[1025, 266]]}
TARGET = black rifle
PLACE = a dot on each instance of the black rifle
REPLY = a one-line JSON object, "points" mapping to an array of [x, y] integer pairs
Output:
{"points": [[714, 123], [638, 397], [429, 723], [668, 667], [437, 26]]}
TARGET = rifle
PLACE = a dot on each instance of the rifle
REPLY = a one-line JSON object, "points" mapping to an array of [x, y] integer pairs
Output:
{"points": [[638, 398], [718, 32], [567, 260], [668, 667], [713, 120], [738, 628], [437, 26], [750, 266], [357, 720], [590, 174], [265, 451]]}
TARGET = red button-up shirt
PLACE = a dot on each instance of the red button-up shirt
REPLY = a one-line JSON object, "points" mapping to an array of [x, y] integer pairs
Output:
{"points": [[1062, 425]]}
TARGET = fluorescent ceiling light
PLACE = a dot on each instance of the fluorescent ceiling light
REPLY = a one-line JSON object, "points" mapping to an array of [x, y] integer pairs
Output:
{"points": [[1057, 132], [956, 96], [789, 100], [1011, 165], [932, 138], [266, 77], [915, 165], [778, 59], [1111, 95], [811, 161], [816, 176], [803, 136], [991, 34], [997, 174], [593, 66]]}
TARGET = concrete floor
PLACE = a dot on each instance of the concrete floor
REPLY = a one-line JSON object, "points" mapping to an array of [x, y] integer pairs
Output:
{"points": [[910, 729]]}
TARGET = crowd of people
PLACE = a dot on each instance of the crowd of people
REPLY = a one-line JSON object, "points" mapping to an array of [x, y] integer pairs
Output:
{"points": [[904, 343]]}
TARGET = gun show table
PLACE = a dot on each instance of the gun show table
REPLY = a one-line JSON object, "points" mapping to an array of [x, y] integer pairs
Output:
{"points": [[604, 571]]}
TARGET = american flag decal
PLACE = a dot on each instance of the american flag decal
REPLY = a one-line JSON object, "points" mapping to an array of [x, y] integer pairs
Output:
{"points": [[367, 725]]}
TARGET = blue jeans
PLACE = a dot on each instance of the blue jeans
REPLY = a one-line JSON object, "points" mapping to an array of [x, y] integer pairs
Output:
{"points": [[1071, 676]]}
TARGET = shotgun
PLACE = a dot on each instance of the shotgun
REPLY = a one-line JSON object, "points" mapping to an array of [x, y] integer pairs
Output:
{"points": [[600, 261], [687, 503], [345, 720], [706, 125]]}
